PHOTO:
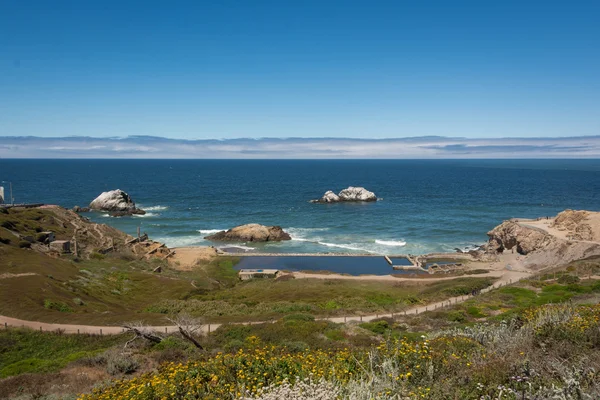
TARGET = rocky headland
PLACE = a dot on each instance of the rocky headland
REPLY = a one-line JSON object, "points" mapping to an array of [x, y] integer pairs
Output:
{"points": [[117, 202], [35, 225], [351, 194], [251, 233], [546, 242]]}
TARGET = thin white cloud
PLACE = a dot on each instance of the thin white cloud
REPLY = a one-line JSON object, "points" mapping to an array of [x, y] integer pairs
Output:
{"points": [[414, 147]]}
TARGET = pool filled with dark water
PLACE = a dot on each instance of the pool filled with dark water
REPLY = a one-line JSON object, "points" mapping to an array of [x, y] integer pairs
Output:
{"points": [[375, 265]]}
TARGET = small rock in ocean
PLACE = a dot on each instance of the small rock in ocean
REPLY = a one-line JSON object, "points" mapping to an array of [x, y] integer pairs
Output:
{"points": [[347, 195], [251, 233]]}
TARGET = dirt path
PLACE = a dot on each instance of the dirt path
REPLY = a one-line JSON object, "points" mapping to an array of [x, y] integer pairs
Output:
{"points": [[507, 278]]}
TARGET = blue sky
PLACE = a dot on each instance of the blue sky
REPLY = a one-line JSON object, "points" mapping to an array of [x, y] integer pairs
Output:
{"points": [[328, 68]]}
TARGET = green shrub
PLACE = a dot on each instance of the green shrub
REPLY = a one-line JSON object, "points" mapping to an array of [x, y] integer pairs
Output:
{"points": [[24, 244], [379, 327], [171, 342], [96, 256], [457, 316], [475, 312], [56, 305], [7, 224], [331, 305], [78, 301], [117, 363], [295, 346], [334, 334], [299, 317], [233, 345], [568, 279]]}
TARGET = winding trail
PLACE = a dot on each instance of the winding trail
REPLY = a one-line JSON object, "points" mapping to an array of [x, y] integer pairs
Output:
{"points": [[507, 278]]}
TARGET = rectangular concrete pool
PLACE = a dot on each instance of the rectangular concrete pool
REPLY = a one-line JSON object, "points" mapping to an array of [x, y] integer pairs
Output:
{"points": [[353, 265]]}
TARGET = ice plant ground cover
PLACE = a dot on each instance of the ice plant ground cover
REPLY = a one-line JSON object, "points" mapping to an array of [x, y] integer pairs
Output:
{"points": [[552, 351]]}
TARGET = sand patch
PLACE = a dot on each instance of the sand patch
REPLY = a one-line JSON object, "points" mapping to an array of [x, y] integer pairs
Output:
{"points": [[186, 258]]}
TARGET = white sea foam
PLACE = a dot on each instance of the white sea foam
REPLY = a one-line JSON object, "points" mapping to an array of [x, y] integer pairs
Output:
{"points": [[239, 246], [180, 241], [147, 215], [398, 243], [345, 246], [304, 234], [305, 230], [153, 208], [302, 239], [210, 231]]}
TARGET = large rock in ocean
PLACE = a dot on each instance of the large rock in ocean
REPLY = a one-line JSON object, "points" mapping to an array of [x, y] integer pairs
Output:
{"points": [[251, 233], [329, 197], [116, 201], [347, 195]]}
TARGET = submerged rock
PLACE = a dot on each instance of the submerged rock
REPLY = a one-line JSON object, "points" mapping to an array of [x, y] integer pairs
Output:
{"points": [[347, 195], [251, 233], [116, 201], [136, 211], [78, 209]]}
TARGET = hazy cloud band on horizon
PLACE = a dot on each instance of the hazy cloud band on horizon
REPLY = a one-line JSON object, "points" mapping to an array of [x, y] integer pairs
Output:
{"points": [[413, 147]]}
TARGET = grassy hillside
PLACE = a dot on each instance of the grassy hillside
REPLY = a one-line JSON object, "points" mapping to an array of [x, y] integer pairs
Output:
{"points": [[499, 344], [275, 298], [110, 290]]}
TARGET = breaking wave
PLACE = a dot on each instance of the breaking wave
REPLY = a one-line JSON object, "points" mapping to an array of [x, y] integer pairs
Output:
{"points": [[346, 246], [154, 208], [181, 241], [398, 243], [210, 231], [147, 215]]}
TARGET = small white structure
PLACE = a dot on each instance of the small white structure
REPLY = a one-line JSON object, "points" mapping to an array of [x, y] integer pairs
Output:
{"points": [[247, 274], [1, 194]]}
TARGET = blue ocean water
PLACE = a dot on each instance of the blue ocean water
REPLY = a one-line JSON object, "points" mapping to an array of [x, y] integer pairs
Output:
{"points": [[426, 206]]}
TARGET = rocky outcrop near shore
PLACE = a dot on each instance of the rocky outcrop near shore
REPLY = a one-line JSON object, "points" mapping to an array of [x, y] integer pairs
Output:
{"points": [[85, 237], [351, 194], [251, 233], [510, 235], [548, 242], [117, 202], [578, 225]]}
